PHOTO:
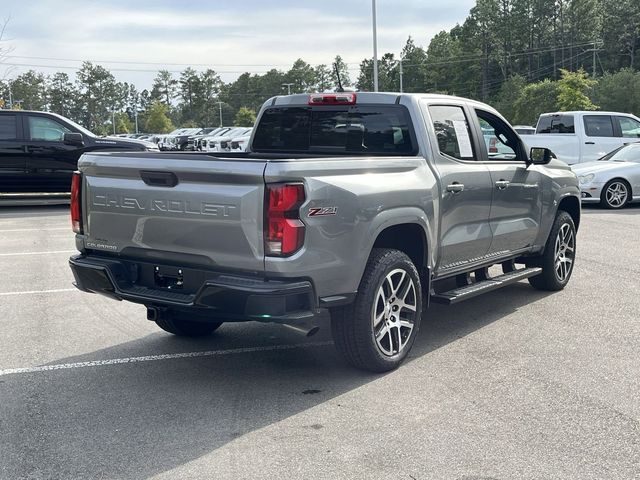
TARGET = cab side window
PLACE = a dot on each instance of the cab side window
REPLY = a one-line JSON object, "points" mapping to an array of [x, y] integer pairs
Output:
{"points": [[630, 127], [500, 140], [452, 131], [598, 126], [45, 129], [8, 127]]}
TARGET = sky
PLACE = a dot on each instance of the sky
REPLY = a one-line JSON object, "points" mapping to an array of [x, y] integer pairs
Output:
{"points": [[135, 38]]}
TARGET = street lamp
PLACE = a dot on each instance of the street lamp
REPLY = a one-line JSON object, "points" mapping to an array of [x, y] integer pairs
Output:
{"points": [[288, 85], [375, 46]]}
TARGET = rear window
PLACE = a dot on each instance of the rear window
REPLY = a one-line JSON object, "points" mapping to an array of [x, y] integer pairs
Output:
{"points": [[556, 124], [8, 130], [372, 130]]}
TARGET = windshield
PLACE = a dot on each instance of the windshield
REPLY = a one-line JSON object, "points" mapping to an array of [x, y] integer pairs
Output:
{"points": [[627, 153], [373, 130]]}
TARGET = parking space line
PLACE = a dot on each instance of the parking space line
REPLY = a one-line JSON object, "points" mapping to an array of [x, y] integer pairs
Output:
{"points": [[35, 229], [32, 292], [35, 253], [154, 358]]}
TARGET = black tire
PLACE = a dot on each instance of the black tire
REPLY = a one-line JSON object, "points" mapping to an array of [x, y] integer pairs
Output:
{"points": [[555, 276], [175, 323], [353, 327], [618, 197]]}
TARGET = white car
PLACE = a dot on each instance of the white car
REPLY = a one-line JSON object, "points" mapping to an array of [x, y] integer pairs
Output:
{"points": [[223, 143], [614, 180], [240, 144]]}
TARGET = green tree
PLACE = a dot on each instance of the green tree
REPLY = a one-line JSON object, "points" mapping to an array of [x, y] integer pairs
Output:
{"points": [[302, 75], [414, 58], [619, 92], [536, 98], [245, 117], [97, 97], [508, 95], [572, 91], [29, 90], [61, 94], [123, 123], [157, 119], [322, 78], [165, 87]]}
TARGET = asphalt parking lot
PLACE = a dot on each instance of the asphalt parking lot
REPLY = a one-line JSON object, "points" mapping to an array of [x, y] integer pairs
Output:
{"points": [[514, 384]]}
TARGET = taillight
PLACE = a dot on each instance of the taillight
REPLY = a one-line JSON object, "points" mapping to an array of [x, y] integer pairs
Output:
{"points": [[284, 231], [332, 99], [76, 205], [492, 145]]}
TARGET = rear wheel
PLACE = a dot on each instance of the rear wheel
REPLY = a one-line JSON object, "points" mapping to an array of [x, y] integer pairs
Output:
{"points": [[377, 331], [615, 194], [179, 324], [558, 257]]}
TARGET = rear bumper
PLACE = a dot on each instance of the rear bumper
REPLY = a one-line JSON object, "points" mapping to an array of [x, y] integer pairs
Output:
{"points": [[218, 295]]}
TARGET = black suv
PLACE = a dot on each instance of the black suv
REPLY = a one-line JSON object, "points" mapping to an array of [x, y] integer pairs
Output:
{"points": [[40, 150]]}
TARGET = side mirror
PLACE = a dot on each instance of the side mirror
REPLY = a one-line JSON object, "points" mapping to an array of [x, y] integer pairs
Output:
{"points": [[540, 156], [73, 139]]}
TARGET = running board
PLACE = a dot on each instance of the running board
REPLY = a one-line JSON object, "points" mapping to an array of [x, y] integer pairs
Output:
{"points": [[484, 286]]}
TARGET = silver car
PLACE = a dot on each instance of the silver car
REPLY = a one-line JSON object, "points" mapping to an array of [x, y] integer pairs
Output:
{"points": [[614, 180]]}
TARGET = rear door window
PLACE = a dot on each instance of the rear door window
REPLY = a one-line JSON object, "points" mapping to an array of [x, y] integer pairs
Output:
{"points": [[8, 127], [452, 131], [598, 126], [560, 123], [375, 130]]}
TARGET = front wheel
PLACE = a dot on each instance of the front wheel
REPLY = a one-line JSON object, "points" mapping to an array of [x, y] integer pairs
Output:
{"points": [[615, 194], [376, 332], [559, 256]]}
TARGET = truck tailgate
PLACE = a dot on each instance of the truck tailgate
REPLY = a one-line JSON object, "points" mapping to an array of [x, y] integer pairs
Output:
{"points": [[213, 215]]}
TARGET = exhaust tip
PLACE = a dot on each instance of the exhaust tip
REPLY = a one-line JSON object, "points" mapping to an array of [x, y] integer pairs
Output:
{"points": [[313, 331]]}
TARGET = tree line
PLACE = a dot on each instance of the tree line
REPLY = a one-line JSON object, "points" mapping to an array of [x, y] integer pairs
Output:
{"points": [[522, 56]]}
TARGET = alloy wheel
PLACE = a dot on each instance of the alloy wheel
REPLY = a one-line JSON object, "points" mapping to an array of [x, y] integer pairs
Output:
{"points": [[616, 194], [394, 312], [565, 248]]}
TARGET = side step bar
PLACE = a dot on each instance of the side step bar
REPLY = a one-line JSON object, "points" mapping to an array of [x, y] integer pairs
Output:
{"points": [[484, 286]]}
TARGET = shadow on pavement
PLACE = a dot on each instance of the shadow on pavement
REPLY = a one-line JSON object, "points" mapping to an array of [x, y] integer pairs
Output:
{"points": [[138, 420]]}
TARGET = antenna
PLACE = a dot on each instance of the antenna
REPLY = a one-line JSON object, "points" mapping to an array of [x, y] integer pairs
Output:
{"points": [[335, 68]]}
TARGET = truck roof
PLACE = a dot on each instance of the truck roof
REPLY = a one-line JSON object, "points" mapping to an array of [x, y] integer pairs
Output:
{"points": [[584, 112]]}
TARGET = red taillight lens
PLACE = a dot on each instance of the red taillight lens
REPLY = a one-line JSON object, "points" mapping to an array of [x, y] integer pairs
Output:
{"points": [[284, 231], [492, 145], [332, 99], [76, 198]]}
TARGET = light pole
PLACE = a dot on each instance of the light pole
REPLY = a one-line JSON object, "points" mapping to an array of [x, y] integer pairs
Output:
{"points": [[113, 119], [375, 47], [220, 106], [288, 85]]}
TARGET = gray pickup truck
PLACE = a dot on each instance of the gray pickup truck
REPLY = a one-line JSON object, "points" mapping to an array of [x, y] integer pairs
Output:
{"points": [[370, 205]]}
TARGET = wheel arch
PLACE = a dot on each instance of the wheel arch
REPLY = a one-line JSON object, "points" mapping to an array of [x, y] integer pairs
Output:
{"points": [[409, 238], [571, 205]]}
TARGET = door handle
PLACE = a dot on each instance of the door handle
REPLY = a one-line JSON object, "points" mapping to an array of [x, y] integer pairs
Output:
{"points": [[32, 149], [455, 187], [502, 184], [589, 143]]}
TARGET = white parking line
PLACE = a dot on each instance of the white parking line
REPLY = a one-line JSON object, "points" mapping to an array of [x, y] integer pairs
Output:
{"points": [[35, 253], [35, 229], [154, 358], [32, 292]]}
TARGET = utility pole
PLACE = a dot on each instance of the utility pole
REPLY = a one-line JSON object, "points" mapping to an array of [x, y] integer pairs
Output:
{"points": [[136, 117], [220, 107], [375, 46], [10, 95], [401, 86], [288, 85], [113, 119]]}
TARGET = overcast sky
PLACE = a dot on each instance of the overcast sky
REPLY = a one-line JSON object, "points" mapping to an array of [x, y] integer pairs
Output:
{"points": [[229, 36]]}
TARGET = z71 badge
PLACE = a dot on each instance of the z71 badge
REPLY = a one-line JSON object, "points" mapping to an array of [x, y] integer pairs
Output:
{"points": [[322, 211]]}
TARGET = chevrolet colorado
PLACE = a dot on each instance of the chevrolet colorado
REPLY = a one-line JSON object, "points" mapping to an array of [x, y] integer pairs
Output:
{"points": [[370, 205]]}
